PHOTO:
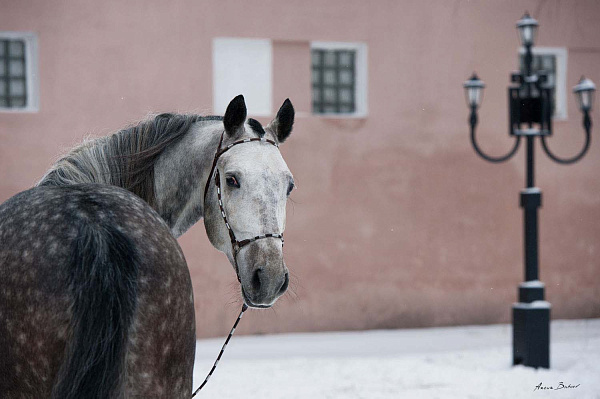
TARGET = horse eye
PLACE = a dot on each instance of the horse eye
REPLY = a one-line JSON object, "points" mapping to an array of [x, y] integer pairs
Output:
{"points": [[290, 188], [232, 182]]}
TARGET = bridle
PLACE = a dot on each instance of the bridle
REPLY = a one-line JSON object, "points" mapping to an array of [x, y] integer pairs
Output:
{"points": [[236, 245]]}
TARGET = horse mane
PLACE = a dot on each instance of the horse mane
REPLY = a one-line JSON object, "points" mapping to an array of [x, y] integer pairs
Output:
{"points": [[125, 159]]}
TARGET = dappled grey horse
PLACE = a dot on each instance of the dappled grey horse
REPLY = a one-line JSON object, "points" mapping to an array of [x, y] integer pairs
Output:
{"points": [[95, 294]]}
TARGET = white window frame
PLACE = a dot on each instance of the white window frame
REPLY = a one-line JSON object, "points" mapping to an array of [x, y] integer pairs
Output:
{"points": [[560, 94], [31, 70], [361, 80], [243, 66]]}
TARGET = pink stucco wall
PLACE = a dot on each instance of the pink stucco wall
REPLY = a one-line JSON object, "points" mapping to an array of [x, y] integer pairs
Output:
{"points": [[396, 221]]}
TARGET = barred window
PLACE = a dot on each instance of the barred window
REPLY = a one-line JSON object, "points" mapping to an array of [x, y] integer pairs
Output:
{"points": [[13, 83], [338, 79], [333, 81], [18, 85]]}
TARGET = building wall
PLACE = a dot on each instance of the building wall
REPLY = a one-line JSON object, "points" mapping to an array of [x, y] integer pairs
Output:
{"points": [[396, 222]]}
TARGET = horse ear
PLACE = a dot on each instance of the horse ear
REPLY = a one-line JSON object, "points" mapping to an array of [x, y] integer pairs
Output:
{"points": [[283, 122], [235, 115]]}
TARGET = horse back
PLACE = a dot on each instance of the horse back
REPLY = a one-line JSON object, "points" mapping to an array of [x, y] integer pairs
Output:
{"points": [[96, 297]]}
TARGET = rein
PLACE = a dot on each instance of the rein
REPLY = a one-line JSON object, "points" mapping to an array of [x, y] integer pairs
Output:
{"points": [[235, 244], [244, 308]]}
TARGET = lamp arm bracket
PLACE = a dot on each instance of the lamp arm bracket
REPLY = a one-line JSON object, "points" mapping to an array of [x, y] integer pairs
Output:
{"points": [[566, 161], [483, 155]]}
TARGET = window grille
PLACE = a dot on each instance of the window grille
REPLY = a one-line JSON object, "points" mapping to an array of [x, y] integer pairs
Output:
{"points": [[13, 74], [333, 81]]}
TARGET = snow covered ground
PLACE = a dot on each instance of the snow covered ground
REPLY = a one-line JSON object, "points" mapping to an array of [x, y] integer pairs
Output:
{"points": [[453, 362]]}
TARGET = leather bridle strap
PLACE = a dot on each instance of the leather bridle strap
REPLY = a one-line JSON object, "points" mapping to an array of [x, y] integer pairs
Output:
{"points": [[220, 151], [235, 244], [214, 165]]}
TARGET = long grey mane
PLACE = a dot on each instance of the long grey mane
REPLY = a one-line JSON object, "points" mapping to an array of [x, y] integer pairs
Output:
{"points": [[125, 159]]}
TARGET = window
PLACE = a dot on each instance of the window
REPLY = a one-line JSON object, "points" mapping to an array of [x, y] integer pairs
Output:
{"points": [[18, 76], [339, 79], [243, 66], [553, 61]]}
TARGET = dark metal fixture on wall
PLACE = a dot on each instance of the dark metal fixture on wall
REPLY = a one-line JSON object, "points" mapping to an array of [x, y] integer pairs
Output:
{"points": [[530, 100]]}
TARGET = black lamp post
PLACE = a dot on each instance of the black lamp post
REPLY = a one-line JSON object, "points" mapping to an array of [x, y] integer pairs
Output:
{"points": [[531, 107]]}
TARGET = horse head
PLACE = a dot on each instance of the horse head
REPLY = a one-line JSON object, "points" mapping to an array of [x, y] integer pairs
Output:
{"points": [[245, 211]]}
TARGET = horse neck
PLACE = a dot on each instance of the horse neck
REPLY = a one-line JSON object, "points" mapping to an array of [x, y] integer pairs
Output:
{"points": [[165, 161], [90, 162], [180, 175]]}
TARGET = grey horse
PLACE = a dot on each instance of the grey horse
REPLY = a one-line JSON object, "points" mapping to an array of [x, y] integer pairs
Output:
{"points": [[95, 293]]}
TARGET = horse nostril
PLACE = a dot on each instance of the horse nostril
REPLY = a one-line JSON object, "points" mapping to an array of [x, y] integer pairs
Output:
{"points": [[256, 279], [285, 284]]}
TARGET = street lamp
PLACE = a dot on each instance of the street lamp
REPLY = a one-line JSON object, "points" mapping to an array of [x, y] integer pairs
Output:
{"points": [[585, 93], [474, 91], [530, 115], [527, 28]]}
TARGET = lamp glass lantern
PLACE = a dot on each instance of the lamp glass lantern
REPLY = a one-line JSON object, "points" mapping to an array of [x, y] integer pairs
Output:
{"points": [[474, 91], [527, 28], [584, 92]]}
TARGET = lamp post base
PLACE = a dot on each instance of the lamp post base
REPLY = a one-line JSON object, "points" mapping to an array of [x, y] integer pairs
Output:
{"points": [[531, 331]]}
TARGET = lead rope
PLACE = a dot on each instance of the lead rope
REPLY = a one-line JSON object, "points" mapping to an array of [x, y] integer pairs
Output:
{"points": [[235, 244], [210, 373]]}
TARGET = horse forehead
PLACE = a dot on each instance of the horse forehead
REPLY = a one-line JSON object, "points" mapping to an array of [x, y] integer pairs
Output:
{"points": [[257, 157]]}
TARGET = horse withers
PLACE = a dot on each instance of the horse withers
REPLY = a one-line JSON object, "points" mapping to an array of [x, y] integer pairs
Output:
{"points": [[95, 294]]}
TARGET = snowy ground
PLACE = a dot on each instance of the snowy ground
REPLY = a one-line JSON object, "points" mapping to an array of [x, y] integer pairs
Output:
{"points": [[455, 362]]}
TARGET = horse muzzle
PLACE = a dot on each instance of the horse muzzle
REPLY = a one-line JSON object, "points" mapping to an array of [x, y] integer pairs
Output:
{"points": [[263, 274], [264, 288]]}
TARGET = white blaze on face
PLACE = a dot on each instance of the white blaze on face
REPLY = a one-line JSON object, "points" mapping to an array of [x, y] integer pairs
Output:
{"points": [[258, 205]]}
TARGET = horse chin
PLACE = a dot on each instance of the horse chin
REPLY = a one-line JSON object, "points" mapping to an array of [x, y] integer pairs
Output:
{"points": [[249, 303]]}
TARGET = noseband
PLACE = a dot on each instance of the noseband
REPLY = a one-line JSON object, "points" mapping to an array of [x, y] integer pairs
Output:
{"points": [[236, 245]]}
